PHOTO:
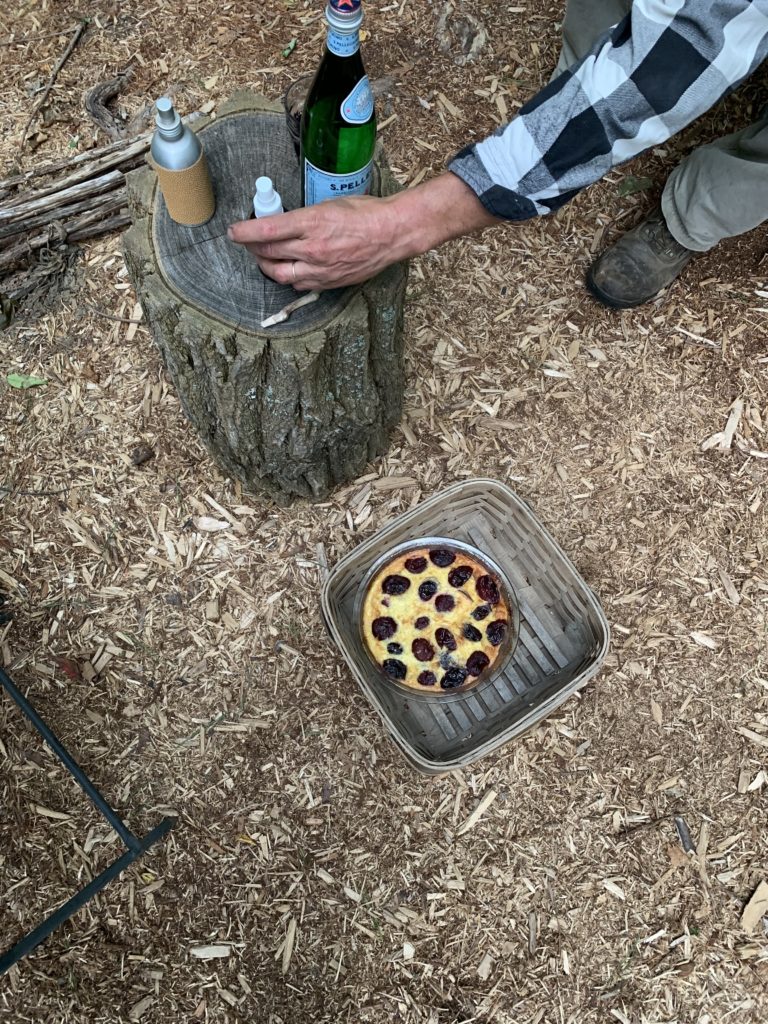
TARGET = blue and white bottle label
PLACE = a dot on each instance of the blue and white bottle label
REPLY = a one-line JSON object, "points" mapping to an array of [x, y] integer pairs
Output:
{"points": [[321, 185], [343, 44], [358, 106]]}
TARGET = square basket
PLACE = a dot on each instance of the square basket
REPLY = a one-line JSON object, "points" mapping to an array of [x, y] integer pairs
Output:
{"points": [[563, 637]]}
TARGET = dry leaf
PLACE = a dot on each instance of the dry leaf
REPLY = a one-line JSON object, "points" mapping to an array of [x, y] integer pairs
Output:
{"points": [[409, 951], [677, 857]]}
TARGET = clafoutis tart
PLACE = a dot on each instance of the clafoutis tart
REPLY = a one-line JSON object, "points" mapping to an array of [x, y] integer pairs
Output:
{"points": [[435, 618]]}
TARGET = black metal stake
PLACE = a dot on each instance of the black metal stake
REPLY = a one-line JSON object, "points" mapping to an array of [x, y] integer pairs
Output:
{"points": [[136, 846]]}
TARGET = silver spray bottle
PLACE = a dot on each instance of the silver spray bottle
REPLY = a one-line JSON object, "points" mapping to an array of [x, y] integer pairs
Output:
{"points": [[177, 156]]}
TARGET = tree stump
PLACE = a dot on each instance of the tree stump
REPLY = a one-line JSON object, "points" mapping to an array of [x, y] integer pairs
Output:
{"points": [[295, 409]]}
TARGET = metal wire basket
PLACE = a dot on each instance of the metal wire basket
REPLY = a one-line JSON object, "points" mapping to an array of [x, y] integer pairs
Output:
{"points": [[563, 633]]}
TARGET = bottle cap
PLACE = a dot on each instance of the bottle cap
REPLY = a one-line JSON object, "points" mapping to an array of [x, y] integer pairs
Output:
{"points": [[344, 15], [166, 117], [267, 200], [265, 189]]}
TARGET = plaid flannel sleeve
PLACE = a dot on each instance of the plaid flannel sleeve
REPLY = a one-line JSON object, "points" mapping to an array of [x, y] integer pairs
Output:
{"points": [[656, 71]]}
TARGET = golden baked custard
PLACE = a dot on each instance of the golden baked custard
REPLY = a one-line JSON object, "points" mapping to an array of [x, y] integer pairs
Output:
{"points": [[434, 618]]}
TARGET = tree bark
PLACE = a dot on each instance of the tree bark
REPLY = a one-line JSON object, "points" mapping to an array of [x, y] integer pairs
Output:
{"points": [[292, 411]]}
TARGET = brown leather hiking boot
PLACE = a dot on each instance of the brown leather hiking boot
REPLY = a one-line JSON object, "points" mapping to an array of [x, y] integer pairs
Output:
{"points": [[639, 265]]}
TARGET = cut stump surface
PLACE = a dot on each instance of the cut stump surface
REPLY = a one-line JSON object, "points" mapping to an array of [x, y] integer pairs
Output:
{"points": [[294, 410]]}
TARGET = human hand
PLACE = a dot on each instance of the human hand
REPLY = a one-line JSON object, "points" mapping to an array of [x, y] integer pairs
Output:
{"points": [[345, 241], [331, 245]]}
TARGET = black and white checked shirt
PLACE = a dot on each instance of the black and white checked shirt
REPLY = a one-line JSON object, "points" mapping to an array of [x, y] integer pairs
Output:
{"points": [[656, 71]]}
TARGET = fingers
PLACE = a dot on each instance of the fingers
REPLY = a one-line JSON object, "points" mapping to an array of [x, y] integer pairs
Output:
{"points": [[291, 250], [270, 229], [300, 275]]}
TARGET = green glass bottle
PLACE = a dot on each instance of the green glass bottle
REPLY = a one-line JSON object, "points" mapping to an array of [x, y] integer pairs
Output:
{"points": [[338, 125]]}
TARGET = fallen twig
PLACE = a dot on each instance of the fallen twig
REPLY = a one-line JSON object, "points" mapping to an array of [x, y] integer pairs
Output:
{"points": [[107, 216], [52, 80], [285, 312], [111, 316], [34, 38], [34, 494]]}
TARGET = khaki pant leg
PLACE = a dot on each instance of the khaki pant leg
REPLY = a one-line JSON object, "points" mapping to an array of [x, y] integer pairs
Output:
{"points": [[720, 190], [585, 21]]}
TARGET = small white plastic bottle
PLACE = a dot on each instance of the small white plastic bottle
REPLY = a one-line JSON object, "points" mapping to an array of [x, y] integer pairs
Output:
{"points": [[267, 201]]}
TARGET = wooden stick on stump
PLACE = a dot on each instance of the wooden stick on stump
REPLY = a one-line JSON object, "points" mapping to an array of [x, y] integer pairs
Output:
{"points": [[300, 407]]}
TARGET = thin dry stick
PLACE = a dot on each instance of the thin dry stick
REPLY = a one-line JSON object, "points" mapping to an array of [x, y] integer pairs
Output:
{"points": [[51, 81], [34, 38], [36, 494], [111, 316], [286, 311]]}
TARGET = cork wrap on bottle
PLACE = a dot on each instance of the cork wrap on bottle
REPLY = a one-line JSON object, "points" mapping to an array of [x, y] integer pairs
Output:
{"points": [[188, 194]]}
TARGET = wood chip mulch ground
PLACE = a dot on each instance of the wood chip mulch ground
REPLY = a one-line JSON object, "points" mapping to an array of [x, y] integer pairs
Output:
{"points": [[167, 624]]}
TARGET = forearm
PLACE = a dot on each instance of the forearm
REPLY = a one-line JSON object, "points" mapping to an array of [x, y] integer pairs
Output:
{"points": [[422, 218]]}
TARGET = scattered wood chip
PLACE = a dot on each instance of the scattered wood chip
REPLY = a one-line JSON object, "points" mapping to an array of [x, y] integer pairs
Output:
{"points": [[755, 737], [46, 812], [394, 483], [656, 712], [290, 939], [133, 326], [732, 424], [478, 812], [452, 109], [613, 889], [209, 525], [728, 585], [216, 951], [756, 908], [705, 640], [138, 1010], [485, 967], [409, 951]]}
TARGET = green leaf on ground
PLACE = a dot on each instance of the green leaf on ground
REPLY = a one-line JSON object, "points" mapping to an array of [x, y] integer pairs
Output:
{"points": [[23, 380], [629, 185], [290, 48]]}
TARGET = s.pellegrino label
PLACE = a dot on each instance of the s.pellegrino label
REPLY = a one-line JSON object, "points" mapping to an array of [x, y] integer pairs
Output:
{"points": [[343, 44], [338, 124], [319, 185], [357, 108]]}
